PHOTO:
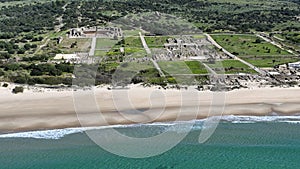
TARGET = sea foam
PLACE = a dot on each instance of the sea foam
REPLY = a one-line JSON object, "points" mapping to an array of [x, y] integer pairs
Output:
{"points": [[178, 126]]}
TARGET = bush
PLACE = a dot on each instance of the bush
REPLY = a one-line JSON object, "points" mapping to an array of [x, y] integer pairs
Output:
{"points": [[2, 73], [19, 79], [5, 85], [18, 89]]}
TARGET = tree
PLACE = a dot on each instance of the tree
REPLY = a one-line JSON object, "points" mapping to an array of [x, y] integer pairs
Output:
{"points": [[27, 46], [20, 80], [21, 51], [5, 55], [258, 40], [2, 73], [36, 72], [12, 67]]}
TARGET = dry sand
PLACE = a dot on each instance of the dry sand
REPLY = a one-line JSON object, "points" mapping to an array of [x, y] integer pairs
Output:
{"points": [[53, 110]]}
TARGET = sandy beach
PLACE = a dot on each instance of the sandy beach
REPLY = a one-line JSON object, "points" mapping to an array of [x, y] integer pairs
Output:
{"points": [[33, 110]]}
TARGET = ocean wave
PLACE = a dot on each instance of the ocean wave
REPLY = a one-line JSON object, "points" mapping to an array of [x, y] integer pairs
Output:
{"points": [[178, 126], [60, 133], [255, 119], [46, 134]]}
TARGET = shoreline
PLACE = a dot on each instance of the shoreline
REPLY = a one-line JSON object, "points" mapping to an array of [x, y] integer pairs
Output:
{"points": [[31, 111], [55, 134]]}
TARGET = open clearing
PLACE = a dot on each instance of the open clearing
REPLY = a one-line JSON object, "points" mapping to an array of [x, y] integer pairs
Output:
{"points": [[248, 45], [79, 45]]}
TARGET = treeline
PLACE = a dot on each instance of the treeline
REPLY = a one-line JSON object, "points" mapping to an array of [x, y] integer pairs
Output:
{"points": [[293, 37], [44, 73], [207, 15], [9, 48]]}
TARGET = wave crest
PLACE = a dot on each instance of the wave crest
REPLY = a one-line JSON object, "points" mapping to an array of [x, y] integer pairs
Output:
{"points": [[172, 126]]}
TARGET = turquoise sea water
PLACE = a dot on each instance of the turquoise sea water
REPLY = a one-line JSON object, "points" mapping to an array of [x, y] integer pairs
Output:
{"points": [[261, 145]]}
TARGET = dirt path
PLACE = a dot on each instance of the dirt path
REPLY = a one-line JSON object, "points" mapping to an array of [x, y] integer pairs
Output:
{"points": [[93, 46], [148, 51], [210, 39]]}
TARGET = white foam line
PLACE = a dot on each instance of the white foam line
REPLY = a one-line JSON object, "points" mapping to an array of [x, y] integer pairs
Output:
{"points": [[175, 126], [60, 133]]}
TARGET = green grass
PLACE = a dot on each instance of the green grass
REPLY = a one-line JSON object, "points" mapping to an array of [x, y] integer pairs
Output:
{"points": [[196, 67], [108, 66], [198, 36], [104, 43], [231, 67], [129, 33], [182, 67], [156, 41], [263, 62], [100, 52], [135, 66], [132, 45], [175, 67], [245, 45], [133, 42]]}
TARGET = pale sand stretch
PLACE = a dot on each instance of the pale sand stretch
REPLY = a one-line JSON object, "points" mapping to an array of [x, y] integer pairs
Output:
{"points": [[53, 110]]}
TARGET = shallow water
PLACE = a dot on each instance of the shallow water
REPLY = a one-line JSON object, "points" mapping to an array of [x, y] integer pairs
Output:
{"points": [[237, 143]]}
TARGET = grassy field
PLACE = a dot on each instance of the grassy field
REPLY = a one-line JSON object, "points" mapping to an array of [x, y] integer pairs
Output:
{"points": [[132, 46], [134, 42], [129, 33], [196, 67], [135, 66], [105, 43], [198, 36], [156, 41], [82, 44], [248, 45], [231, 67], [181, 67], [265, 62], [100, 52], [174, 67]]}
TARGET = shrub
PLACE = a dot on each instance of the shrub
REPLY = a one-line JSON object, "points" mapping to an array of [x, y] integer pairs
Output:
{"points": [[5, 85], [18, 89], [2, 73]]}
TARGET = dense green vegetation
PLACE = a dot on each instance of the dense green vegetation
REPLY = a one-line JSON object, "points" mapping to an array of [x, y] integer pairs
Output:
{"points": [[37, 73], [26, 25], [207, 15], [30, 18], [293, 37]]}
